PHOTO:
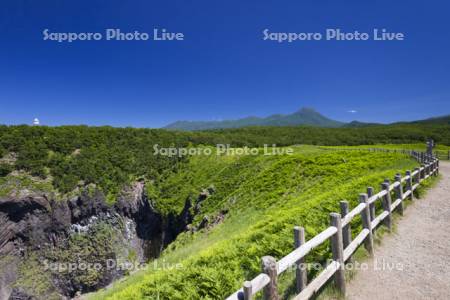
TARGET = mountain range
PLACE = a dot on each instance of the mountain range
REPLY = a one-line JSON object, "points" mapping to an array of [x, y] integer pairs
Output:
{"points": [[304, 116]]}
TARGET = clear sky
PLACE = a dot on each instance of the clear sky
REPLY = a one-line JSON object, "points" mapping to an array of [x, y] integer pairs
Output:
{"points": [[223, 69]]}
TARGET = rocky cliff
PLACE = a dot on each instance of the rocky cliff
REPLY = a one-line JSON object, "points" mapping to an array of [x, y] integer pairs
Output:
{"points": [[56, 249]]}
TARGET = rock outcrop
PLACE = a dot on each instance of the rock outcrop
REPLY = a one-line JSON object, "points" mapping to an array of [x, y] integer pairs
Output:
{"points": [[36, 232]]}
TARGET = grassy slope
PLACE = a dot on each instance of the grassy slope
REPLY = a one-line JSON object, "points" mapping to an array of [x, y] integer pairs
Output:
{"points": [[442, 151], [266, 196], [421, 146]]}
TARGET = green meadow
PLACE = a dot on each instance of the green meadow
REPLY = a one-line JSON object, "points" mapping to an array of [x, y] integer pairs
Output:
{"points": [[255, 202]]}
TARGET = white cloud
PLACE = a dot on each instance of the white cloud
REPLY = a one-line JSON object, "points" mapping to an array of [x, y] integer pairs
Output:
{"points": [[352, 111]]}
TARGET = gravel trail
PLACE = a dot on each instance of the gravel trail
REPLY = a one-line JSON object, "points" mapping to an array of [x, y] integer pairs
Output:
{"points": [[414, 261]]}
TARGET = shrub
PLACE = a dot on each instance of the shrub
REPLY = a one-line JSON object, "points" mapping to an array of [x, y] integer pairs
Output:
{"points": [[5, 169]]}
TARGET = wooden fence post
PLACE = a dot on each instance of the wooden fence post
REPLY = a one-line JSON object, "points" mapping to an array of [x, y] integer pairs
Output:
{"points": [[399, 193], [409, 184], [431, 166], [367, 224], [248, 293], [337, 248], [269, 267], [346, 230], [422, 173], [438, 167], [370, 193], [300, 272], [435, 166], [417, 175], [387, 205]]}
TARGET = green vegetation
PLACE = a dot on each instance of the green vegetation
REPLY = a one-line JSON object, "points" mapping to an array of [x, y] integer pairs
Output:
{"points": [[250, 202], [263, 197], [417, 147], [98, 244], [74, 155], [113, 157], [5, 169], [442, 151], [20, 183], [32, 278]]}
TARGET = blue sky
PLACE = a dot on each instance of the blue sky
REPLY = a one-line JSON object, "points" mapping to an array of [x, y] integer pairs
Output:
{"points": [[223, 69]]}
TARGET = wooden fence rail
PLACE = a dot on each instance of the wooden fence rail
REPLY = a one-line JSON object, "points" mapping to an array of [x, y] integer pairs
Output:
{"points": [[339, 234]]}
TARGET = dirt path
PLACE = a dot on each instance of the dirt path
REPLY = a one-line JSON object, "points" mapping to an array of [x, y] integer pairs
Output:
{"points": [[416, 257]]}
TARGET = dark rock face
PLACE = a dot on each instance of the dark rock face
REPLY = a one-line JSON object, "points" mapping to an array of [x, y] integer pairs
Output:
{"points": [[85, 206], [38, 226], [152, 228], [178, 223], [17, 209], [61, 216], [149, 224], [23, 222]]}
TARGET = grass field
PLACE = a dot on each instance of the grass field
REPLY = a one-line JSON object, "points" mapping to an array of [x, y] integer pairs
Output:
{"points": [[263, 197], [441, 150]]}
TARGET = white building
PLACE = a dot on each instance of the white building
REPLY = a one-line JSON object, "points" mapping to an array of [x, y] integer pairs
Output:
{"points": [[36, 122]]}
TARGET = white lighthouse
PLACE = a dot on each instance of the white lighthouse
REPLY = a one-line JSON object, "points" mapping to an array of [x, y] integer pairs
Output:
{"points": [[36, 122]]}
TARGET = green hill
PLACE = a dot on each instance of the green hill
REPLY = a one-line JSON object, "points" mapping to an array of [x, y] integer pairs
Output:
{"points": [[256, 202]]}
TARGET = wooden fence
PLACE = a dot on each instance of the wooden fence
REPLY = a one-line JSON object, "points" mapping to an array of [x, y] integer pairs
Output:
{"points": [[339, 234]]}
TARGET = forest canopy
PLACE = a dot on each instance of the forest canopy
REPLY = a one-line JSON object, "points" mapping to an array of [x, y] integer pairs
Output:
{"points": [[112, 157]]}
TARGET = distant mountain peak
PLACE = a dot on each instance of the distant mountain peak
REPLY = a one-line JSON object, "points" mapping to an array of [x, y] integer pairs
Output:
{"points": [[307, 110], [304, 116]]}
